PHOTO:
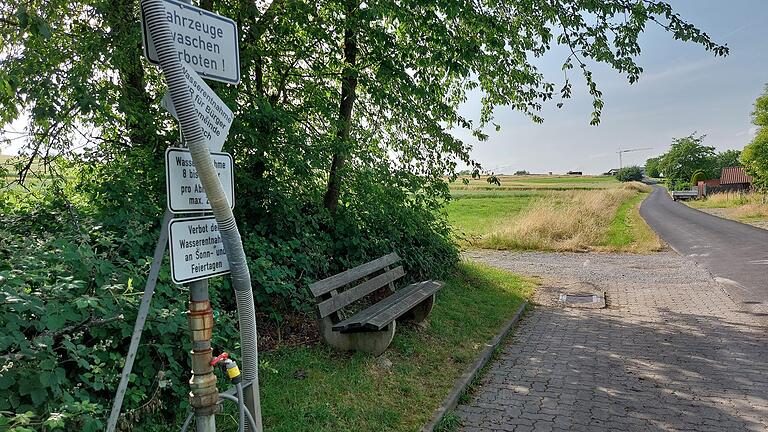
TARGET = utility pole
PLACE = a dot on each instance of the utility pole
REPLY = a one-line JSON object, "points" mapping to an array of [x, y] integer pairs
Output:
{"points": [[204, 395]]}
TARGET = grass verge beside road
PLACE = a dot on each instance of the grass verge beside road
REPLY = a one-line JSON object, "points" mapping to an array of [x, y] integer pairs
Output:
{"points": [[316, 389], [751, 208], [628, 231]]}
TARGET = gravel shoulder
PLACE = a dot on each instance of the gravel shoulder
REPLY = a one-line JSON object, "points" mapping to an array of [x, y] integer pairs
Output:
{"points": [[671, 351]]}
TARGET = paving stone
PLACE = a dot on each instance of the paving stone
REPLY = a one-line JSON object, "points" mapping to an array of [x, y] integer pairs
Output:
{"points": [[672, 352]]}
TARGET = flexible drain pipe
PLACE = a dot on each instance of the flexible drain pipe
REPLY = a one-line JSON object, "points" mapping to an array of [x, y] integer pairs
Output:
{"points": [[155, 16]]}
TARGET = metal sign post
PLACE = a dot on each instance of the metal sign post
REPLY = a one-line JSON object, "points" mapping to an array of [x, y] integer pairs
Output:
{"points": [[138, 327], [187, 41]]}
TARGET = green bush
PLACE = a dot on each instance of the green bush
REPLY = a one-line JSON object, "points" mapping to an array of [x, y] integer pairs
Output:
{"points": [[69, 293], [631, 173], [677, 185], [697, 177], [652, 169], [73, 262]]}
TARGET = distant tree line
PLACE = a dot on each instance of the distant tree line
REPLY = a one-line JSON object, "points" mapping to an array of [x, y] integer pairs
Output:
{"points": [[630, 173]]}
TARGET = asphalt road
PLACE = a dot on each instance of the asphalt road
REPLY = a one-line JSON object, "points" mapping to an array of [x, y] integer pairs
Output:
{"points": [[736, 254]]}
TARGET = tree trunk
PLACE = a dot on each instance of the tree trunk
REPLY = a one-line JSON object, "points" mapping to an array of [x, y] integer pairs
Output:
{"points": [[348, 88], [134, 102]]}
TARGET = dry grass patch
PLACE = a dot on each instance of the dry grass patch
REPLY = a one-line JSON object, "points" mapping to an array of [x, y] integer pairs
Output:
{"points": [[730, 200], [751, 211], [561, 221], [744, 207]]}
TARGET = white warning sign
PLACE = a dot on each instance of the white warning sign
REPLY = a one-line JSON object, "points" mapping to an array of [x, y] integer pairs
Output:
{"points": [[197, 251], [205, 40], [184, 190]]}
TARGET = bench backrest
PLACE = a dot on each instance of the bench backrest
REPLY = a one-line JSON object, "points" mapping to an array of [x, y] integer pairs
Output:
{"points": [[338, 300]]}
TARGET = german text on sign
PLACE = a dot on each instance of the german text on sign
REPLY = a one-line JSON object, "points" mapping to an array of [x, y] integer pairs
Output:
{"points": [[182, 182], [207, 41], [214, 115], [197, 251]]}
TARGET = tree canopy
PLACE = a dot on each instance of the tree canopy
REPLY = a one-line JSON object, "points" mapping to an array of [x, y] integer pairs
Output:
{"points": [[630, 173], [652, 167], [755, 154], [687, 156], [727, 158]]}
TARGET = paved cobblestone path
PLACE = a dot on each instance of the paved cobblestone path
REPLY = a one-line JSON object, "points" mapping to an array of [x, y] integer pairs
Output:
{"points": [[671, 351]]}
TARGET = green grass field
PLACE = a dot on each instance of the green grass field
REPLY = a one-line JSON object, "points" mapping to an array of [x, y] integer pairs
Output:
{"points": [[477, 213], [317, 389], [551, 213], [6, 171], [534, 182], [37, 176]]}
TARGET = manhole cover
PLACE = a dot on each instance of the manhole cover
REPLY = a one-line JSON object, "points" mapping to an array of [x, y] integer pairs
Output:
{"points": [[579, 298], [583, 300]]}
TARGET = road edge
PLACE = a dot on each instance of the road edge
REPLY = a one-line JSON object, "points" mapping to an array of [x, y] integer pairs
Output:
{"points": [[466, 379]]}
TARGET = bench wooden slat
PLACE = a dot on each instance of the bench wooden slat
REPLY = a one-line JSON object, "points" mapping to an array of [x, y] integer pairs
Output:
{"points": [[345, 298], [394, 312], [339, 280], [384, 312], [358, 318]]}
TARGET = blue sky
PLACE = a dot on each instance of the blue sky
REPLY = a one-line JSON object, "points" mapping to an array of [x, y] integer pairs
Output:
{"points": [[683, 89]]}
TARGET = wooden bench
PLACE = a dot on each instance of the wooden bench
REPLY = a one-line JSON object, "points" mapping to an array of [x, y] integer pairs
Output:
{"points": [[372, 328]]}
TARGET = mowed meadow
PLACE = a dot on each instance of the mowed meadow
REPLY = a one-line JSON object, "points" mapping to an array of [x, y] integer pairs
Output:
{"points": [[558, 213]]}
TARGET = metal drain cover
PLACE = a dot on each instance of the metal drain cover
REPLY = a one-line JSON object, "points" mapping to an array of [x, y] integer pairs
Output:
{"points": [[589, 300], [579, 298]]}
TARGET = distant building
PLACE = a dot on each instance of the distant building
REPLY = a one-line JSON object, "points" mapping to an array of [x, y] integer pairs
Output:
{"points": [[574, 173], [736, 178], [731, 179], [611, 172]]}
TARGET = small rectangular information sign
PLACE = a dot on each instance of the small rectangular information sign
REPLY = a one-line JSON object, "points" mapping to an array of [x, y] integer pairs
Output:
{"points": [[184, 190], [197, 251]]}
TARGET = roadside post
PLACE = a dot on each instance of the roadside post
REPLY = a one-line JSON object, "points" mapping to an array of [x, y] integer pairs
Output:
{"points": [[190, 42]]}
